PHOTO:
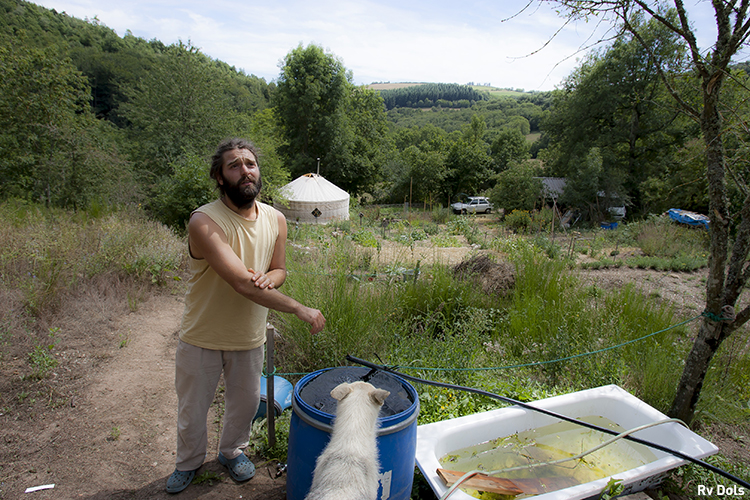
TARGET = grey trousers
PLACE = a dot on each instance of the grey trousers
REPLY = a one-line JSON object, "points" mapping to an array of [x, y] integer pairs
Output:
{"points": [[197, 373]]}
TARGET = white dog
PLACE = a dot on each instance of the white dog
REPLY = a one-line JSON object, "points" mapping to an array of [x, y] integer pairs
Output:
{"points": [[347, 469]]}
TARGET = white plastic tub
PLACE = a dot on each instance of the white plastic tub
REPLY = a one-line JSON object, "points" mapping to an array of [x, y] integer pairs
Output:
{"points": [[437, 439]]}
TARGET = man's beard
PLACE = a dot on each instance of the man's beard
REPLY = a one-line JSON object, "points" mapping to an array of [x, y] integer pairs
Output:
{"points": [[242, 196]]}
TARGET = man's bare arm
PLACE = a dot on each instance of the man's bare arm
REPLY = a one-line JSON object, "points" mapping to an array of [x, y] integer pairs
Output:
{"points": [[207, 241], [276, 274]]}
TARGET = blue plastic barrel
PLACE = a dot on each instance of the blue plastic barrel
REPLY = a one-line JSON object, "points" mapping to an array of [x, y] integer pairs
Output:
{"points": [[282, 396], [310, 430]]}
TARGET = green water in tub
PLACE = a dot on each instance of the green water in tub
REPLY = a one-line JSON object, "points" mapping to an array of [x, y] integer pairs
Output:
{"points": [[545, 444]]}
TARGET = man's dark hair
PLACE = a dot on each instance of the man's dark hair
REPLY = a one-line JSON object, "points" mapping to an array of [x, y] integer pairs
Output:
{"points": [[224, 146]]}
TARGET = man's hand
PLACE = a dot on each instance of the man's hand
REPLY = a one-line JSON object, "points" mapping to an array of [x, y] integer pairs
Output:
{"points": [[261, 280], [307, 314], [314, 317]]}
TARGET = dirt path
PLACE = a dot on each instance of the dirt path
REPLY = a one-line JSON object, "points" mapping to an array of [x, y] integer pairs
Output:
{"points": [[116, 440]]}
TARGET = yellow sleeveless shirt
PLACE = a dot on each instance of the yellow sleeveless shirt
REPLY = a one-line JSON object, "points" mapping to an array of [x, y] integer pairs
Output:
{"points": [[216, 316]]}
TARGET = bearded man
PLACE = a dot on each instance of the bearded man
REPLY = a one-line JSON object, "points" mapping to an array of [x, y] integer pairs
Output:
{"points": [[237, 263]]}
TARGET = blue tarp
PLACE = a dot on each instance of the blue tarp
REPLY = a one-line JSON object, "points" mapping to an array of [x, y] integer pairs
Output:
{"points": [[690, 218]]}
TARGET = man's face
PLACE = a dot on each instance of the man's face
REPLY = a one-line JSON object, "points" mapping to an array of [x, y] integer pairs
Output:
{"points": [[240, 177]]}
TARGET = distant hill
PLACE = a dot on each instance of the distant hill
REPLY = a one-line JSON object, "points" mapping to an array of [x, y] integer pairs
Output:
{"points": [[393, 86], [110, 62], [429, 95], [402, 94], [495, 92]]}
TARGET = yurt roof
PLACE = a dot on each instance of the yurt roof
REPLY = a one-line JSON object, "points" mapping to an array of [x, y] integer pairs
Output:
{"points": [[313, 187]]}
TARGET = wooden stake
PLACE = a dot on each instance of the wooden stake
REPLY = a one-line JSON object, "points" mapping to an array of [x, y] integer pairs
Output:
{"points": [[270, 396], [528, 486], [481, 482]]}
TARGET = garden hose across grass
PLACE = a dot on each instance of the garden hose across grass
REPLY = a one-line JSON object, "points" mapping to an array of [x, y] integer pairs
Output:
{"points": [[527, 406]]}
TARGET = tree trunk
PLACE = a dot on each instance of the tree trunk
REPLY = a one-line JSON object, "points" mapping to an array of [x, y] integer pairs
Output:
{"points": [[710, 334], [725, 282], [696, 366]]}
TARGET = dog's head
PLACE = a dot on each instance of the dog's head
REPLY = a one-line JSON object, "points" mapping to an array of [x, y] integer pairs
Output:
{"points": [[377, 396]]}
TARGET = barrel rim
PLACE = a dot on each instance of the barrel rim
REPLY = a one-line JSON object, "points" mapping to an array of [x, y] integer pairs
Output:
{"points": [[327, 418]]}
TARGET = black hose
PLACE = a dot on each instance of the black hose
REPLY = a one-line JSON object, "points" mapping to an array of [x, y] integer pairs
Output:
{"points": [[555, 415]]}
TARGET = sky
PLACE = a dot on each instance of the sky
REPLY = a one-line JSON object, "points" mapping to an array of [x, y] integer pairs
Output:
{"points": [[493, 42]]}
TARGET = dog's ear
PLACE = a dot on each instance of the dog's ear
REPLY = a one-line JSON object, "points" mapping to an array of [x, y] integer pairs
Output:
{"points": [[378, 396], [341, 391]]}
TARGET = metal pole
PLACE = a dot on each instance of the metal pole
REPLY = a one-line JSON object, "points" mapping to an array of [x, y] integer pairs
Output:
{"points": [[270, 397]]}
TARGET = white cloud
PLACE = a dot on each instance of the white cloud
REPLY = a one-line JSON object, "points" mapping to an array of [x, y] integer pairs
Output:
{"points": [[391, 40]]}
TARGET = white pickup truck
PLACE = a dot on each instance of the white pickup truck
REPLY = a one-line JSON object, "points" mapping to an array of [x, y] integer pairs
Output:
{"points": [[474, 205]]}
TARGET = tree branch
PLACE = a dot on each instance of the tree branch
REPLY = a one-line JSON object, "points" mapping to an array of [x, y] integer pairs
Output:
{"points": [[736, 277], [690, 110]]}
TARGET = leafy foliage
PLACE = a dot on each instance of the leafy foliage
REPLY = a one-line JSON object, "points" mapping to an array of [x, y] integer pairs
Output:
{"points": [[616, 104], [180, 107], [326, 120], [176, 196], [53, 149], [517, 188]]}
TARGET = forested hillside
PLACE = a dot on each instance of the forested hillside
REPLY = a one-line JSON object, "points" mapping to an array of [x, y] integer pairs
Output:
{"points": [[89, 118], [447, 95], [110, 62]]}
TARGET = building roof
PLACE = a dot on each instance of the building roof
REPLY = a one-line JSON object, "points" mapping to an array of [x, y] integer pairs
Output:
{"points": [[311, 198], [552, 187], [313, 187]]}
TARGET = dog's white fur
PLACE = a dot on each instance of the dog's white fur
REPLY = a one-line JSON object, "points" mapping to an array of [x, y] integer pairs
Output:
{"points": [[347, 469]]}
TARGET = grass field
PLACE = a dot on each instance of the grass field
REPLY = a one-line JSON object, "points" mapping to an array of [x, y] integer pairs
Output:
{"points": [[494, 92], [392, 86]]}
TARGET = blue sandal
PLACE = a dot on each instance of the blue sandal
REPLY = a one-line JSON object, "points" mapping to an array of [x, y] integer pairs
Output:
{"points": [[179, 480], [240, 468]]}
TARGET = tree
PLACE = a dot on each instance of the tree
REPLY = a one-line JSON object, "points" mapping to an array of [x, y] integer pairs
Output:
{"points": [[53, 150], [427, 168], [517, 187], [469, 168], [179, 108], [728, 268], [586, 185], [368, 144], [681, 183], [616, 102], [310, 100], [509, 146], [324, 116], [474, 131]]}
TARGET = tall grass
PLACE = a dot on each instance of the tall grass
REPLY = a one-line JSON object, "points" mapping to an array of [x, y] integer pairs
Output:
{"points": [[554, 318], [48, 254], [666, 245], [45, 251], [447, 328]]}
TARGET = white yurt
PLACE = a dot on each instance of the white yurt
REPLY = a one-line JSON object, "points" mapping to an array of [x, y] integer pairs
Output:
{"points": [[311, 194]]}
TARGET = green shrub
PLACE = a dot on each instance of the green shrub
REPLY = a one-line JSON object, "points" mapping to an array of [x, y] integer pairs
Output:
{"points": [[518, 221], [175, 197], [432, 229], [660, 236], [445, 241], [544, 218], [552, 249], [366, 238], [441, 215], [467, 227]]}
